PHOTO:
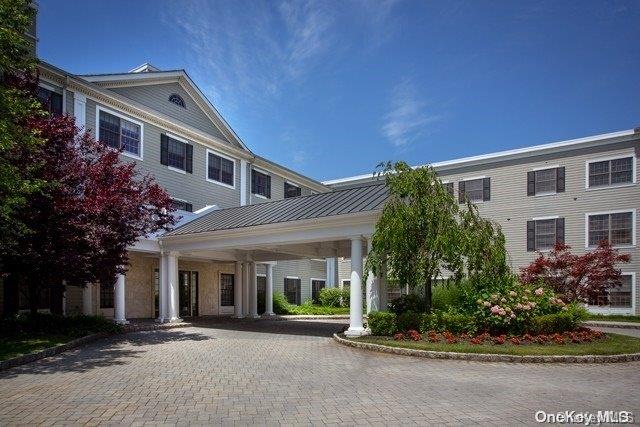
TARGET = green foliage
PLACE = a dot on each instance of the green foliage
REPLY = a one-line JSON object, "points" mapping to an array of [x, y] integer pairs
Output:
{"points": [[557, 322], [409, 320], [453, 321], [382, 323], [280, 304], [49, 324], [409, 302], [334, 297], [417, 232], [17, 105], [450, 294]]}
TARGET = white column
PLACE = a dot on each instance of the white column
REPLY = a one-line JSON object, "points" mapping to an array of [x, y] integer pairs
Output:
{"points": [[356, 328], [172, 288], [119, 303], [372, 289], [163, 290], [253, 289], [269, 291], [243, 182], [333, 280], [80, 109], [245, 288], [87, 308], [237, 292]]}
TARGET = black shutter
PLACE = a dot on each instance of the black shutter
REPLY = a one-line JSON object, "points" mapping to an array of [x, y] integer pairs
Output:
{"points": [[531, 236], [164, 149], [560, 180], [461, 194], [449, 187], [531, 183], [560, 230], [189, 158], [486, 189]]}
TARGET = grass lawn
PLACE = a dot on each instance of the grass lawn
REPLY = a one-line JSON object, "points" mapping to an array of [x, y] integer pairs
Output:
{"points": [[614, 318], [14, 347], [613, 344]]}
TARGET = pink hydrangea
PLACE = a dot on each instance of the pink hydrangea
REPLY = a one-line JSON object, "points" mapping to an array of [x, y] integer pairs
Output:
{"points": [[539, 292], [487, 304], [513, 293], [495, 309]]}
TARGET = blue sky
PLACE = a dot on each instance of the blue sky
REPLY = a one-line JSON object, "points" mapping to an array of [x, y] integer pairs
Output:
{"points": [[331, 88]]}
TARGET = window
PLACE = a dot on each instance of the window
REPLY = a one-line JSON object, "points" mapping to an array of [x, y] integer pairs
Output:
{"points": [[260, 184], [611, 172], [476, 190], [51, 101], [106, 295], [545, 181], [220, 169], [291, 190], [177, 99], [617, 296], [616, 227], [42, 297], [181, 205], [120, 133], [176, 154], [544, 233], [316, 286], [346, 283], [449, 187], [227, 282], [292, 290]]}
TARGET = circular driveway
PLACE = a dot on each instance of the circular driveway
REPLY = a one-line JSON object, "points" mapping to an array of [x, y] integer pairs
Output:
{"points": [[292, 372]]}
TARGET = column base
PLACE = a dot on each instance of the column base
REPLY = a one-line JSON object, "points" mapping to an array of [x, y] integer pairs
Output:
{"points": [[174, 320], [121, 321], [269, 314], [254, 316], [357, 332], [240, 316]]}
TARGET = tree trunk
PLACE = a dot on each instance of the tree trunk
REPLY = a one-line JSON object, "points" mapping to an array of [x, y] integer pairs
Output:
{"points": [[427, 294]]}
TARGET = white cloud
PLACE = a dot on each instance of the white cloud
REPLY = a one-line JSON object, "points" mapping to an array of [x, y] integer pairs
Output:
{"points": [[408, 117]]}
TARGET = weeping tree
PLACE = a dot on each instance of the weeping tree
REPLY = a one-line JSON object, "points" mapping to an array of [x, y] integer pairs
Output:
{"points": [[417, 235]]}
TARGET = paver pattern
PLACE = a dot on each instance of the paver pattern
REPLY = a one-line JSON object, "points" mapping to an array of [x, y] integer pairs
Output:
{"points": [[291, 372]]}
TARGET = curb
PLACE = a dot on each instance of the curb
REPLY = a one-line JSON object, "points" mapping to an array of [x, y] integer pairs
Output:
{"points": [[480, 357], [605, 324], [52, 351]]}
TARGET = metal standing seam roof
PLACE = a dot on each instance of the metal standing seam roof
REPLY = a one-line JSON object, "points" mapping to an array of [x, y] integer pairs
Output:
{"points": [[338, 202]]}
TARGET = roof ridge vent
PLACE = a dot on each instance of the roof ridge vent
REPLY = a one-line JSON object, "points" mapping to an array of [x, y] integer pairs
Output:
{"points": [[145, 68]]}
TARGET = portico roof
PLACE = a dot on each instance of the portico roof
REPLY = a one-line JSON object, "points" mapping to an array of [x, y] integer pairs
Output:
{"points": [[334, 203]]}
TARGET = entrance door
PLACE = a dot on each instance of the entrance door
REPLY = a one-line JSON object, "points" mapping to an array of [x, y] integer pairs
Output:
{"points": [[262, 294], [188, 295]]}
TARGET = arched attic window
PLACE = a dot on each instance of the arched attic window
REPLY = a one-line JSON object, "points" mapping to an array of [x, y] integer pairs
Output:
{"points": [[177, 99]]}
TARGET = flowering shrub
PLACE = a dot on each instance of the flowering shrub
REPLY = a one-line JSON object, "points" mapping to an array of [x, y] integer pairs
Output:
{"points": [[514, 308], [414, 335], [399, 336]]}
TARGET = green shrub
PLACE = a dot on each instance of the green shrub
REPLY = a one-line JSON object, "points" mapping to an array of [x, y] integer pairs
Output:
{"points": [[566, 320], [450, 294], [382, 323], [334, 297], [409, 302], [409, 320], [280, 304], [453, 321]]}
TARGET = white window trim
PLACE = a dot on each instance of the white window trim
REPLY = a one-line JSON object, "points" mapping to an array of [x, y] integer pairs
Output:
{"points": [[603, 159], [633, 227], [344, 280], [262, 171], [474, 178], [184, 141], [618, 310], [50, 86], [286, 181], [206, 169], [541, 168], [171, 168], [122, 116], [542, 218], [292, 277]]}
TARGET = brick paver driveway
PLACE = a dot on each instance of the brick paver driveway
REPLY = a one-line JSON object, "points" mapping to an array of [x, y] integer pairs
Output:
{"points": [[271, 372]]}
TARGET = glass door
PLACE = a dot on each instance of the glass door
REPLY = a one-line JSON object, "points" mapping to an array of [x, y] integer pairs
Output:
{"points": [[188, 293]]}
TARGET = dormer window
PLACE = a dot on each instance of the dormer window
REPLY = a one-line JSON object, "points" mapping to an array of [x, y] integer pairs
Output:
{"points": [[177, 99]]}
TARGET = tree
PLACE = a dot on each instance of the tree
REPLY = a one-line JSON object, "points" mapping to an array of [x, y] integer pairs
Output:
{"points": [[482, 246], [17, 141], [417, 233], [577, 277], [82, 221]]}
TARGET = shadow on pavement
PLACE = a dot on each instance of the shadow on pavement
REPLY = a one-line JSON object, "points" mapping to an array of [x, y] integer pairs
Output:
{"points": [[316, 328]]}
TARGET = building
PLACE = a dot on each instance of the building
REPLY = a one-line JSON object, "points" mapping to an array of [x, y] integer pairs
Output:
{"points": [[579, 191], [250, 226]]}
